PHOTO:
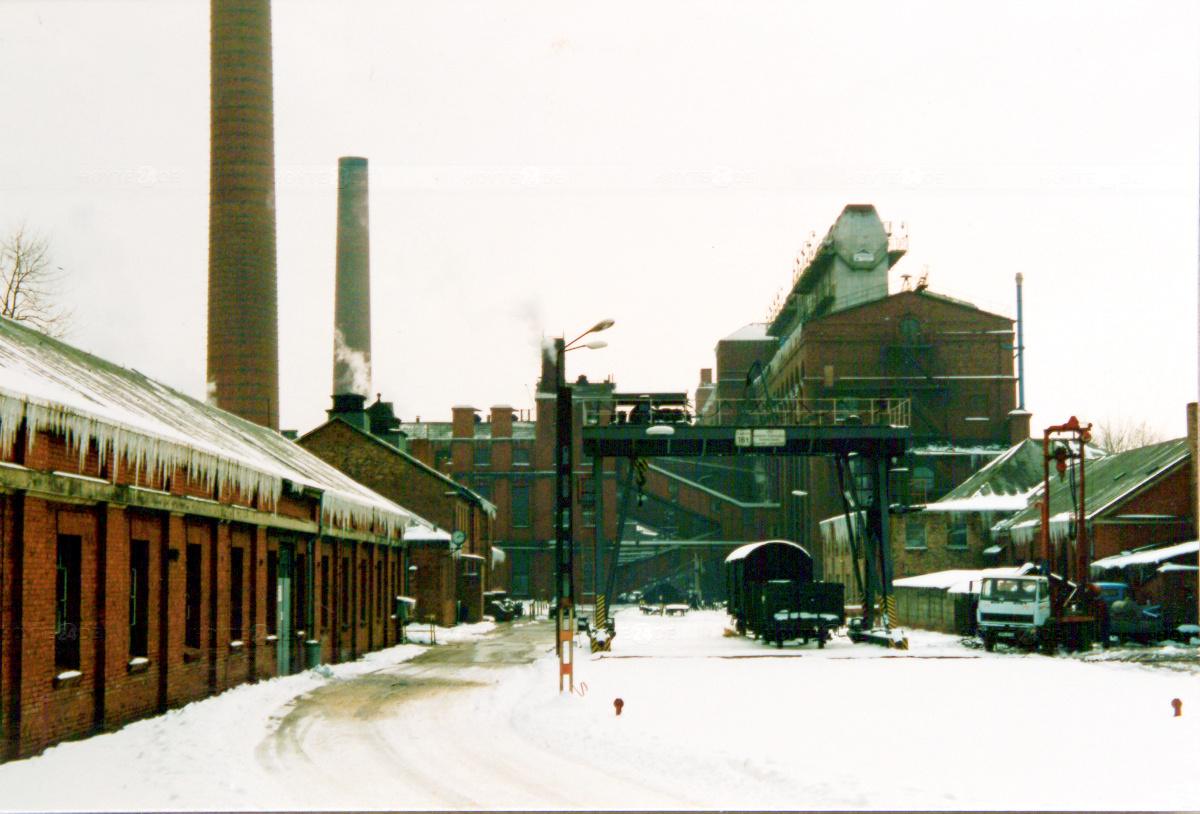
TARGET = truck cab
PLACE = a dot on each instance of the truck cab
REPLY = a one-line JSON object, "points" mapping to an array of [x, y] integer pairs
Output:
{"points": [[1014, 609]]}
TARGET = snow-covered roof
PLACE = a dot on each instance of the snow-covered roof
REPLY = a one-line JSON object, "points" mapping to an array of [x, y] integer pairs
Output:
{"points": [[1111, 481], [423, 534], [755, 331], [984, 503], [742, 552], [960, 581], [53, 387], [1005, 484], [1148, 556]]}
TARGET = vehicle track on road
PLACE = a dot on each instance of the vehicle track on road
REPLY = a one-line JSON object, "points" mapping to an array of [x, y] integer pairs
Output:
{"points": [[424, 734]]}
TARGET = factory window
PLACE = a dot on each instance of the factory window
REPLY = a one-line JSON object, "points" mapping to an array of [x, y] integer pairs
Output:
{"points": [[379, 592], [139, 598], [520, 504], [299, 595], [272, 610], [325, 592], [67, 603], [587, 500], [345, 603], [362, 593], [191, 602], [521, 455], [956, 532], [914, 533], [237, 571], [921, 484], [483, 453]]}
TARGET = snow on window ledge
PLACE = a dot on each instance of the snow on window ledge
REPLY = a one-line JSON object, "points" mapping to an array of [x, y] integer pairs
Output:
{"points": [[138, 664], [68, 678]]}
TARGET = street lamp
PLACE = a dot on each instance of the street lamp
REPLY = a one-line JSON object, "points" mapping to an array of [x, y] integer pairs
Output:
{"points": [[564, 546]]}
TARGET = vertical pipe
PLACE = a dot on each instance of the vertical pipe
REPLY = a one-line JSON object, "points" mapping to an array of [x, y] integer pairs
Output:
{"points": [[243, 352], [1020, 346], [352, 295]]}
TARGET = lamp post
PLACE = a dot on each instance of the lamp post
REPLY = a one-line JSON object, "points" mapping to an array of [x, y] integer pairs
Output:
{"points": [[564, 543]]}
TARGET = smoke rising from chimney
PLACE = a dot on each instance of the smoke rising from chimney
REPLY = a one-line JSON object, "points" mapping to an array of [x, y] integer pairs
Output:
{"points": [[353, 366], [352, 296]]}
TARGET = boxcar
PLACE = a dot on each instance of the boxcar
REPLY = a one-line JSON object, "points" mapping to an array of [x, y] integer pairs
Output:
{"points": [[771, 594]]}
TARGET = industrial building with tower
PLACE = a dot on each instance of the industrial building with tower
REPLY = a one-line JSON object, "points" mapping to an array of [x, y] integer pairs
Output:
{"points": [[155, 550]]}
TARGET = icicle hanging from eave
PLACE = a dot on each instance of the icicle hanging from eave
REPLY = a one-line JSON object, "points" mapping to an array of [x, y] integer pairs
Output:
{"points": [[157, 456], [345, 513], [840, 527], [1029, 531]]}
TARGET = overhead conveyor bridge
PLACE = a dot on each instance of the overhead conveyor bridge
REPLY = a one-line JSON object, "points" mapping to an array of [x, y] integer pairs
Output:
{"points": [[876, 431]]}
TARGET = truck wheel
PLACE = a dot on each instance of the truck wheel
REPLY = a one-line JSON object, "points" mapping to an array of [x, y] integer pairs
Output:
{"points": [[1047, 641], [989, 642]]}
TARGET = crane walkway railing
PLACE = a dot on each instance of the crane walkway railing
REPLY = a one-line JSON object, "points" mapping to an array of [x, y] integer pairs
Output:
{"points": [[814, 412]]}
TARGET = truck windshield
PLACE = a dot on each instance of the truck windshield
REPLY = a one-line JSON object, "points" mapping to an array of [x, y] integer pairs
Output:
{"points": [[1010, 590]]}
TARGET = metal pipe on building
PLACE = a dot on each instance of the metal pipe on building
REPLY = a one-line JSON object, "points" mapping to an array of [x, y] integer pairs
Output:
{"points": [[1020, 347]]}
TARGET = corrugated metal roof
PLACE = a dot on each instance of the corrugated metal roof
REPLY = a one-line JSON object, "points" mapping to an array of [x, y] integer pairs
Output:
{"points": [[1108, 481], [1013, 472]]}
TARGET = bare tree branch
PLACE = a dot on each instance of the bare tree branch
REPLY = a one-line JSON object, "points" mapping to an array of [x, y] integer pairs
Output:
{"points": [[31, 283], [1120, 434]]}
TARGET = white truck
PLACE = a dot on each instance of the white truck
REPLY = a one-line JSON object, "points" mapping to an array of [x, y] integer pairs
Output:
{"points": [[1015, 609], [1024, 611]]}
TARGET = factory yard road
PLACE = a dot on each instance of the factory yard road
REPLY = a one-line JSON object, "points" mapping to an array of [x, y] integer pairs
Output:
{"points": [[427, 734]]}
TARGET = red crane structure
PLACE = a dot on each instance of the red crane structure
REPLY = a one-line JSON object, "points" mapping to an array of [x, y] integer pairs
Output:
{"points": [[1073, 617]]}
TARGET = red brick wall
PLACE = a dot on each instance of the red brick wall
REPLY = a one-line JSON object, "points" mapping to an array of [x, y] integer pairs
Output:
{"points": [[37, 708], [1170, 496]]}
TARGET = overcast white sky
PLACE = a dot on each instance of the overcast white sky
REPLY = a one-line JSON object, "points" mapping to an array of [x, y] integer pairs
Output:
{"points": [[536, 166]]}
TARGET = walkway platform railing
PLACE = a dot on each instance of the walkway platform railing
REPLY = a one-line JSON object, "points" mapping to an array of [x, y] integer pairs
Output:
{"points": [[815, 412]]}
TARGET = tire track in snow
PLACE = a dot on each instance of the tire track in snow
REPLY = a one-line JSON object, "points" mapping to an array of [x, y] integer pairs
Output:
{"points": [[424, 734]]}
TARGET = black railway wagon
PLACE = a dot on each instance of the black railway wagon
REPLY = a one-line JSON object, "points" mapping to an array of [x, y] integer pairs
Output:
{"points": [[750, 567], [771, 593]]}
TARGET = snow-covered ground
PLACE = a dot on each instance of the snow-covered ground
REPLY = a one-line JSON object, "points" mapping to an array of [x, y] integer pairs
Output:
{"points": [[708, 721]]}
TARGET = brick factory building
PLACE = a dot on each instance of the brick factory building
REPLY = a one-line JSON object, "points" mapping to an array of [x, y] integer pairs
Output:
{"points": [[155, 550], [508, 460], [453, 564], [839, 337]]}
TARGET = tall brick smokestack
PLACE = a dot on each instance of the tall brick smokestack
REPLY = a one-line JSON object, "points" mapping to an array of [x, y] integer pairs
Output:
{"points": [[352, 297], [243, 341]]}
